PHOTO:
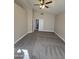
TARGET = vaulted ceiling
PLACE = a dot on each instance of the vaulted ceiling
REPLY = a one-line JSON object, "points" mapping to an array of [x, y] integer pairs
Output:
{"points": [[54, 8]]}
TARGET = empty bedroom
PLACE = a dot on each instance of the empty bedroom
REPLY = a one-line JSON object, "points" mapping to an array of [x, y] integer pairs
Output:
{"points": [[39, 29]]}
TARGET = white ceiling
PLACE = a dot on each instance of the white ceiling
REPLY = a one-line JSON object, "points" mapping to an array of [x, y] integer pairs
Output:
{"points": [[54, 8]]}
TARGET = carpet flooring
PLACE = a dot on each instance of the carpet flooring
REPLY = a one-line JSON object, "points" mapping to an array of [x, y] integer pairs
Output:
{"points": [[40, 45]]}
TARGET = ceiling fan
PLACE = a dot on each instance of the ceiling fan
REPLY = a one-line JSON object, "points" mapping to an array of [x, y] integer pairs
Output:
{"points": [[43, 4]]}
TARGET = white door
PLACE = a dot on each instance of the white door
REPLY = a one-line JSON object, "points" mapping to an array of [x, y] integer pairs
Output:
{"points": [[41, 24]]}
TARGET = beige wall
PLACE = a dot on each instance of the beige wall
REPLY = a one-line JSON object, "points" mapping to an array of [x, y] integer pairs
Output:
{"points": [[60, 25], [30, 16], [48, 20], [20, 22]]}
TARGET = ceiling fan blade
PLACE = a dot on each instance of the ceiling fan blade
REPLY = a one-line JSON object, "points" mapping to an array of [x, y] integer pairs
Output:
{"points": [[48, 2], [36, 4], [43, 1], [46, 6]]}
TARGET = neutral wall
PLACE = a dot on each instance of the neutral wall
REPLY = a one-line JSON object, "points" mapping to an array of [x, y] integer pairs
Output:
{"points": [[60, 25], [20, 22], [48, 20], [30, 16]]}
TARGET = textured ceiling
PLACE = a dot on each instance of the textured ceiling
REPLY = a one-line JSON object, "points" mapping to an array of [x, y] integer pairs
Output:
{"points": [[54, 8]]}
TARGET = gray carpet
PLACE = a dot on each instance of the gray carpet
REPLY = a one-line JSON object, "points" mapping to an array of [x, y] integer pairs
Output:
{"points": [[41, 45]]}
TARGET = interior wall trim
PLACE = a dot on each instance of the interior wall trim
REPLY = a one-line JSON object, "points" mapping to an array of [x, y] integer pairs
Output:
{"points": [[59, 36], [20, 38]]}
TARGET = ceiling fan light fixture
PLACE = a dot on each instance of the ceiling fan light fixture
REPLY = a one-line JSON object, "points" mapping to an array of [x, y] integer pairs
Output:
{"points": [[40, 6], [43, 3], [43, 6]]}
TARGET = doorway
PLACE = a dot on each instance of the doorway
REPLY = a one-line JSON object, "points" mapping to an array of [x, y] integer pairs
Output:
{"points": [[39, 24]]}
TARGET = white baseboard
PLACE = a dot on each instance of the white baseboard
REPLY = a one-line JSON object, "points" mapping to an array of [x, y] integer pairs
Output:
{"points": [[20, 38], [59, 36]]}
